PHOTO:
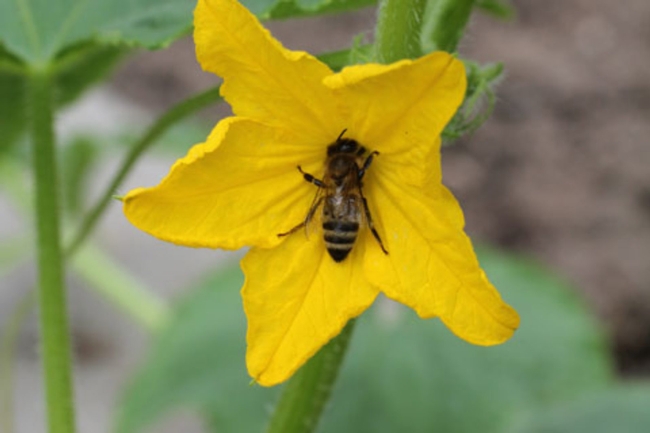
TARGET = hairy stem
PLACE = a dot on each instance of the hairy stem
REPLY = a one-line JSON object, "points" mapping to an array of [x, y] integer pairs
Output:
{"points": [[55, 338], [305, 395], [446, 22], [398, 30]]}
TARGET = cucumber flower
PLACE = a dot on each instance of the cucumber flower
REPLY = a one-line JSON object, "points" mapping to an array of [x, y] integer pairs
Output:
{"points": [[268, 178]]}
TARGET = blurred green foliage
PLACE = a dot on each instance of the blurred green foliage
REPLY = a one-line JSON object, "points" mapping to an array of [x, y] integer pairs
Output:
{"points": [[280, 9], [77, 161], [75, 71], [38, 31], [621, 409], [198, 361], [401, 374], [480, 98], [498, 8], [80, 41]]}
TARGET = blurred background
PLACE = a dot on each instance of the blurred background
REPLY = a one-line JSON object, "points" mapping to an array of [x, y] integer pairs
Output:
{"points": [[559, 173]]}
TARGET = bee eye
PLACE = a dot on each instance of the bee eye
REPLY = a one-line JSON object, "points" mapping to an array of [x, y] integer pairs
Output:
{"points": [[343, 145], [349, 146]]}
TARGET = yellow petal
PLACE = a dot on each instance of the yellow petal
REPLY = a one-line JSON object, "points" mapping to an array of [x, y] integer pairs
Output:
{"points": [[262, 79], [239, 188], [296, 299], [400, 109], [431, 265]]}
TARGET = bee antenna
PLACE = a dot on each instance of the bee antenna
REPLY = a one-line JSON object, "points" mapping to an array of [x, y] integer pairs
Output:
{"points": [[341, 134]]}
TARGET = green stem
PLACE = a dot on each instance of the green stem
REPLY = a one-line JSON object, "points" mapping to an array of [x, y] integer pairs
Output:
{"points": [[304, 397], [171, 117], [398, 30], [119, 287], [55, 338], [446, 23], [106, 277]]}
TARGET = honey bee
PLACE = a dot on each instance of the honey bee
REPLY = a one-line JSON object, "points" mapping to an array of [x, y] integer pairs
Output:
{"points": [[341, 195]]}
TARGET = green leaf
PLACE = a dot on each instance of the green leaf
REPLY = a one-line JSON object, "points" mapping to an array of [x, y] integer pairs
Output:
{"points": [[76, 71], [402, 373], [405, 374], [12, 104], [623, 409], [37, 31], [81, 67], [497, 8], [479, 100], [198, 361], [337, 60]]}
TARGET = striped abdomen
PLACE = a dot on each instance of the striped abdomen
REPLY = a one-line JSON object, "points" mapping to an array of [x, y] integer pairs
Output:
{"points": [[341, 217]]}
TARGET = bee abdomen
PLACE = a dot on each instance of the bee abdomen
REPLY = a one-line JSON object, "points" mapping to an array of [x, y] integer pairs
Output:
{"points": [[339, 238]]}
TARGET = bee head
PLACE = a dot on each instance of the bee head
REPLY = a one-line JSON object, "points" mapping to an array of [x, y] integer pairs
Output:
{"points": [[343, 145]]}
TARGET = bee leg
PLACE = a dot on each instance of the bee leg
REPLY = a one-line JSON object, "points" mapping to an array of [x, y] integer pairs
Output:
{"points": [[370, 224], [315, 205], [296, 228], [366, 164], [317, 201], [311, 179]]}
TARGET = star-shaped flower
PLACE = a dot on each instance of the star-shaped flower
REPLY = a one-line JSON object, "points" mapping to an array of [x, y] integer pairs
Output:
{"points": [[242, 188]]}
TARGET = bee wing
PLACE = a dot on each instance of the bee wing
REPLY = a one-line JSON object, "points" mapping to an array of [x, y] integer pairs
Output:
{"points": [[313, 217]]}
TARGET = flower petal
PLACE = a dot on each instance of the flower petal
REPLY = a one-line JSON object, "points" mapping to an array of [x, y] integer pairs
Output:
{"points": [[239, 188], [296, 299], [262, 79], [431, 265], [400, 109]]}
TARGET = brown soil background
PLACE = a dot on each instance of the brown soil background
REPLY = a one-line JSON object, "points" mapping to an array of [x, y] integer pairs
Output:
{"points": [[560, 172]]}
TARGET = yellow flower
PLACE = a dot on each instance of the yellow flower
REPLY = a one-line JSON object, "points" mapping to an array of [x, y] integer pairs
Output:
{"points": [[242, 187]]}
